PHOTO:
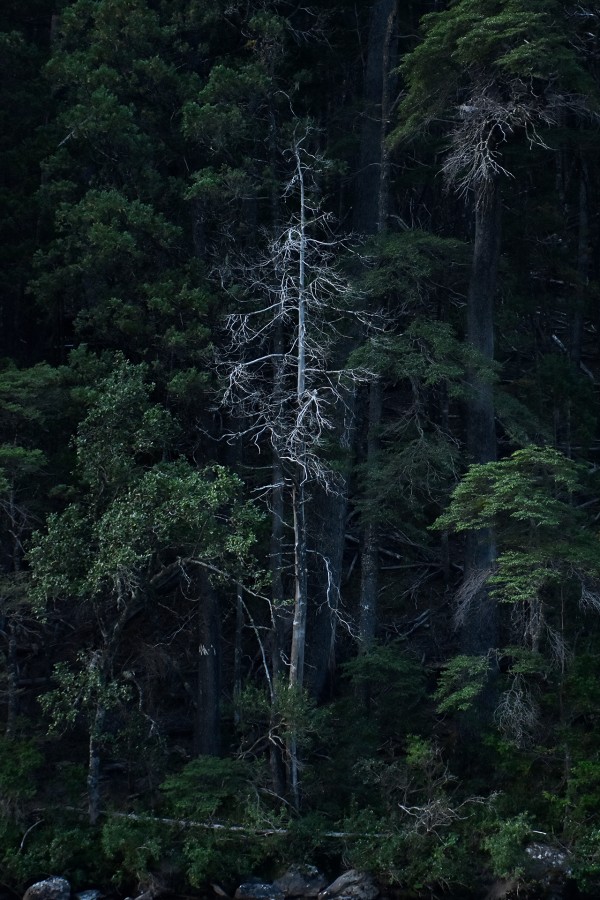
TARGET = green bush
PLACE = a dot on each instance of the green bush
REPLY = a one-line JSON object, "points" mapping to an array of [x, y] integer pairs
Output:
{"points": [[506, 846]]}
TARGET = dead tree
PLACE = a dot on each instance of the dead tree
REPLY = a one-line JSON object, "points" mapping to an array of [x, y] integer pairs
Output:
{"points": [[278, 373]]}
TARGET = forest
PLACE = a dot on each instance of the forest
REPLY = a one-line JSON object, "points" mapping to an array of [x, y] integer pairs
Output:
{"points": [[299, 441]]}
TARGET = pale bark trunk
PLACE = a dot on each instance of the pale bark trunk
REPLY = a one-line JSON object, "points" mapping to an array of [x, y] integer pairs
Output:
{"points": [[301, 579], [276, 757], [296, 677]]}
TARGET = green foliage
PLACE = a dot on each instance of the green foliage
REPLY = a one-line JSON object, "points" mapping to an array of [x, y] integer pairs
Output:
{"points": [[405, 269], [532, 486], [133, 848], [529, 499], [135, 511], [209, 857], [505, 39], [586, 860], [396, 686], [216, 791], [506, 846], [20, 762], [81, 688], [63, 845], [461, 682], [208, 787], [142, 156], [289, 712]]}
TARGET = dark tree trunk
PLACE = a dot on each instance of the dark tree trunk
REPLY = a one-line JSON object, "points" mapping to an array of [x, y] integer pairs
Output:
{"points": [[481, 428], [13, 681], [371, 216], [369, 581], [371, 207], [583, 268], [207, 736], [480, 621], [327, 538], [93, 777]]}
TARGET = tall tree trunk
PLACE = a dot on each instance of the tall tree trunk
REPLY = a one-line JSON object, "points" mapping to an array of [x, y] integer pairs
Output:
{"points": [[327, 533], [207, 732], [93, 777], [276, 758], [301, 586], [480, 625], [369, 579], [13, 681], [583, 268], [372, 211], [299, 624], [370, 204], [12, 663], [237, 653]]}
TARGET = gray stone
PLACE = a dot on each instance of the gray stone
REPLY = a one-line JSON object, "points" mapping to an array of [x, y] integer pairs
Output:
{"points": [[259, 890], [352, 885], [545, 860], [92, 894], [53, 888], [301, 881]]}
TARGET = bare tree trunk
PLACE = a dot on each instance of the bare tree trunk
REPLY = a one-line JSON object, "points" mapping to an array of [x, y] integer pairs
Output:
{"points": [[276, 760], [299, 624], [298, 502], [301, 579]]}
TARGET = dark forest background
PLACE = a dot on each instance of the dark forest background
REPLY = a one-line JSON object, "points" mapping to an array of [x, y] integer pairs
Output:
{"points": [[299, 438]]}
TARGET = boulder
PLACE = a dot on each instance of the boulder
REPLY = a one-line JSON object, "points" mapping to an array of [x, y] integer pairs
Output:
{"points": [[258, 890], [301, 881], [53, 888], [352, 885], [92, 894], [546, 860]]}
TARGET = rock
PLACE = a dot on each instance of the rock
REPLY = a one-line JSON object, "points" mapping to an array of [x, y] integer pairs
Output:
{"points": [[301, 881], [92, 894], [546, 860], [549, 866], [352, 885], [258, 890], [53, 888]]}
